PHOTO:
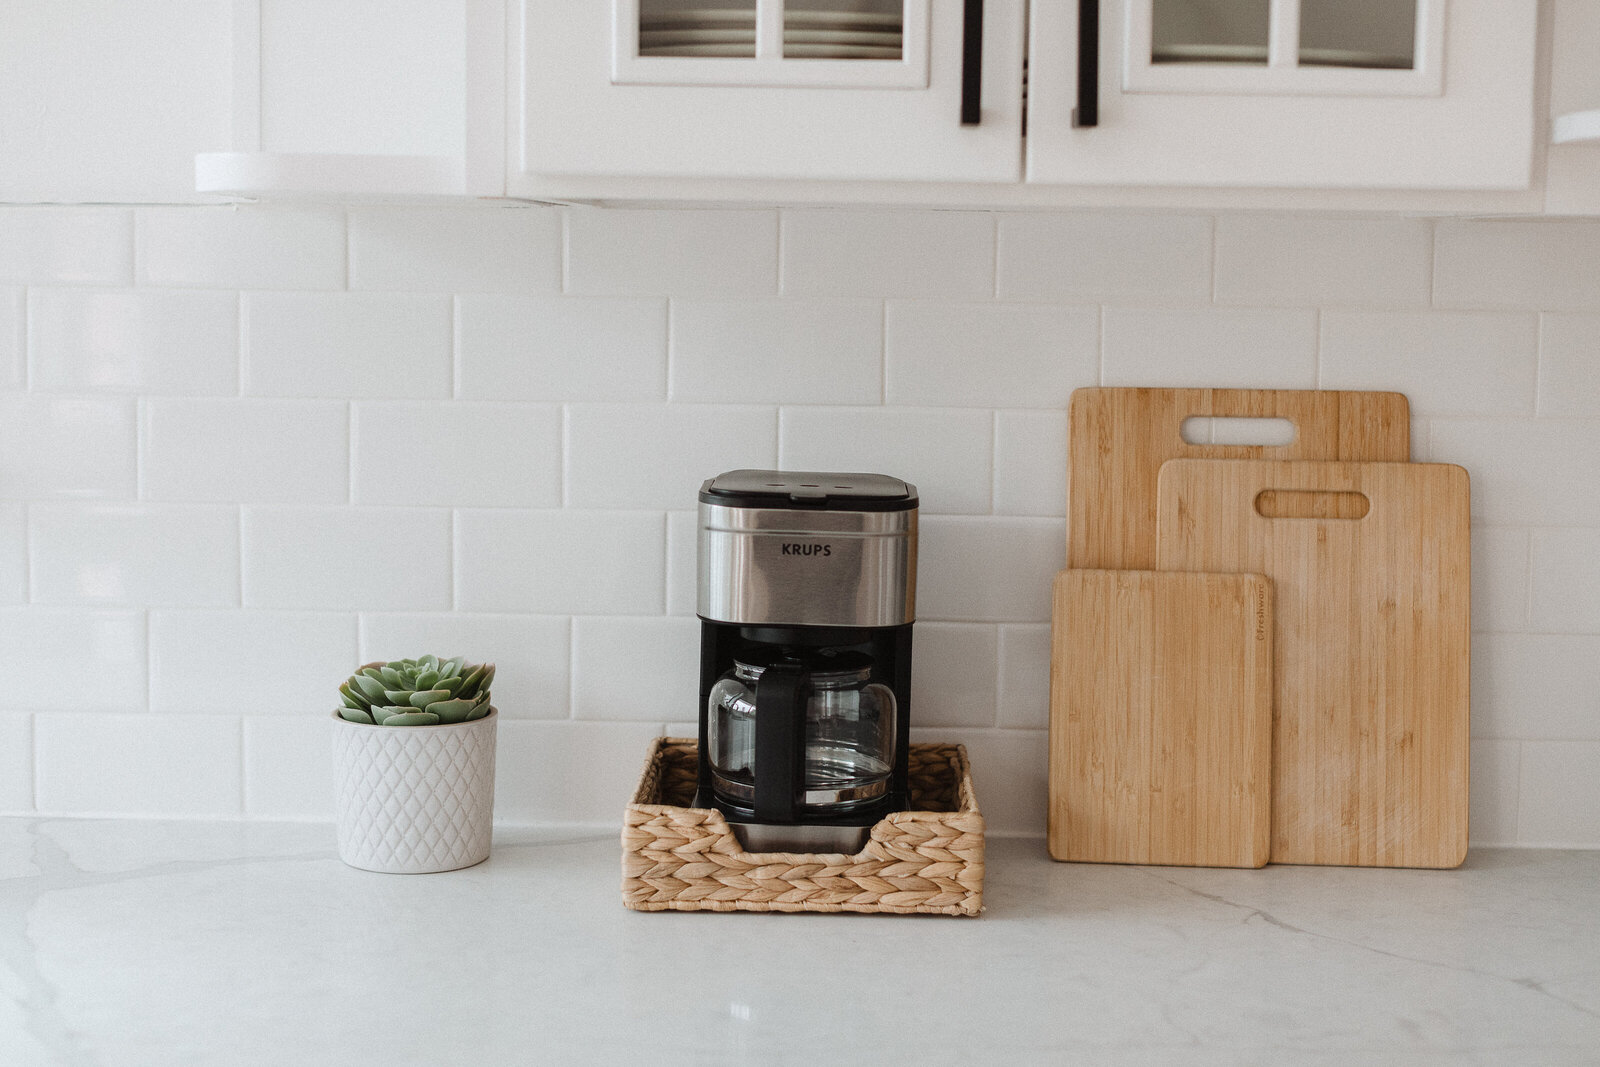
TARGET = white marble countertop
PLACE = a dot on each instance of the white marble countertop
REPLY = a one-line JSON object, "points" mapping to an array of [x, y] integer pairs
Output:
{"points": [[133, 942]]}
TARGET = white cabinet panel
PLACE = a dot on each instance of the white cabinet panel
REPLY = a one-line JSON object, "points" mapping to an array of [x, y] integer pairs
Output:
{"points": [[586, 110], [1271, 104], [109, 100]]}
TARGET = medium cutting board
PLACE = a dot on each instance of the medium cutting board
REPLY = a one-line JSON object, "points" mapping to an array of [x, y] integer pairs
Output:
{"points": [[1118, 439], [1372, 643], [1161, 718]]}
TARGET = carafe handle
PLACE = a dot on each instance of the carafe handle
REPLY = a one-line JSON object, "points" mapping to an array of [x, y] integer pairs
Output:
{"points": [[781, 695]]}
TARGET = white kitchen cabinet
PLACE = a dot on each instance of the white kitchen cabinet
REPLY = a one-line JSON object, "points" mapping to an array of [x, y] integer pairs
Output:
{"points": [[768, 89], [109, 100], [363, 98], [1295, 94], [1300, 93]]}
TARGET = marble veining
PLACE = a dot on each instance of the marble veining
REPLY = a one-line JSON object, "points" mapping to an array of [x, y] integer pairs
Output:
{"points": [[145, 942]]}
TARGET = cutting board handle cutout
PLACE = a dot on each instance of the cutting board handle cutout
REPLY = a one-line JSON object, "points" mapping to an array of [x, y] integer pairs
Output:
{"points": [[1248, 431], [1311, 504]]}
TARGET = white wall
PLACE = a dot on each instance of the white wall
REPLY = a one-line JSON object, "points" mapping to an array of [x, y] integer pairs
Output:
{"points": [[242, 450]]}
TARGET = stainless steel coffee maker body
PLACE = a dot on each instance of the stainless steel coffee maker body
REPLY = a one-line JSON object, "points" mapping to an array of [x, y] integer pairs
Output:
{"points": [[807, 596]]}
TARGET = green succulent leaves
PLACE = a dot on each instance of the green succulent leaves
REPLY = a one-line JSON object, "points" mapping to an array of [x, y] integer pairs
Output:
{"points": [[417, 692]]}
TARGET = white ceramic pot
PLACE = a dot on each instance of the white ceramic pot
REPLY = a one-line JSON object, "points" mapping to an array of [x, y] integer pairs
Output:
{"points": [[414, 799]]}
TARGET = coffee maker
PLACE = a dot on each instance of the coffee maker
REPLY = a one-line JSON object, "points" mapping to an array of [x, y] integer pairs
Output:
{"points": [[807, 594]]}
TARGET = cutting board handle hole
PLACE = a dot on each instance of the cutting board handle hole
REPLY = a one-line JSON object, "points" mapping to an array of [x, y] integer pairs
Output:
{"points": [[1248, 432], [1311, 504]]}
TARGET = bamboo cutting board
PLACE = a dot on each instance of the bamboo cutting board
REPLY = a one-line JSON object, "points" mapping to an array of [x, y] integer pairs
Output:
{"points": [[1118, 439], [1372, 643], [1161, 718]]}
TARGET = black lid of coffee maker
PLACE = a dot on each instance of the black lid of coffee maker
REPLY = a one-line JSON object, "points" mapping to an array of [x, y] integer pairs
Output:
{"points": [[809, 489]]}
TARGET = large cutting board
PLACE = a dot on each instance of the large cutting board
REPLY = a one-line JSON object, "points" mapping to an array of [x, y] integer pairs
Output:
{"points": [[1118, 439], [1373, 638], [1161, 718]]}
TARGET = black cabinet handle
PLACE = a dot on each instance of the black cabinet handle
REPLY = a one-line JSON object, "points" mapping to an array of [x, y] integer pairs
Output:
{"points": [[972, 63], [1087, 113]]}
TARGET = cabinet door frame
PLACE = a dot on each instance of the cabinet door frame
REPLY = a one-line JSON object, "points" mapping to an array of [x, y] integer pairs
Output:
{"points": [[1476, 133], [1282, 72], [768, 66], [574, 121]]}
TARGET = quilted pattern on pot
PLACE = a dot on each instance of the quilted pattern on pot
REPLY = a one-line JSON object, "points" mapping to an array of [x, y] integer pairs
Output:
{"points": [[414, 799]]}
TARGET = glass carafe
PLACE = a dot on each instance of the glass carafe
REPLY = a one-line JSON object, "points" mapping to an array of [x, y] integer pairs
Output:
{"points": [[829, 741]]}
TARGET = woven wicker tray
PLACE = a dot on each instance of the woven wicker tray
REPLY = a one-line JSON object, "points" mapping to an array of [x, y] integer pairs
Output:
{"points": [[925, 861]]}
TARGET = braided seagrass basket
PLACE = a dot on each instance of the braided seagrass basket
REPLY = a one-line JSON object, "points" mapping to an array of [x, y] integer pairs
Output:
{"points": [[925, 861]]}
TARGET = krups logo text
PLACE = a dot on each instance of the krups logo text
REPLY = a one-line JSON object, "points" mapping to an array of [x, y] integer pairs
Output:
{"points": [[791, 548]]}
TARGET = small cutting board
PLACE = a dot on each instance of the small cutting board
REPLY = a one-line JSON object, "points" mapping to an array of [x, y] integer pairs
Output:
{"points": [[1118, 439], [1161, 718], [1371, 572]]}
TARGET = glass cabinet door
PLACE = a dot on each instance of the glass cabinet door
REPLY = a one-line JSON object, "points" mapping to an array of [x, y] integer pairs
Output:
{"points": [[782, 90], [838, 43], [1434, 94], [1363, 47]]}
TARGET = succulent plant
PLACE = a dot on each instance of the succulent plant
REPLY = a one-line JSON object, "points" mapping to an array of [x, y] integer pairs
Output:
{"points": [[417, 692]]}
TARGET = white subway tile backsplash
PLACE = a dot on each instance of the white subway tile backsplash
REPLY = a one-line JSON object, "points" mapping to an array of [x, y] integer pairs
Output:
{"points": [[683, 562], [1569, 366], [1025, 676], [13, 554], [1104, 256], [1447, 363], [542, 400], [1525, 471], [347, 345], [1536, 686], [1030, 463], [954, 676], [1504, 263], [1224, 348], [532, 654], [561, 348], [500, 250], [16, 763], [1010, 775], [561, 562], [189, 650], [623, 252], [568, 771], [254, 451], [946, 454], [1499, 579], [656, 455], [183, 342], [169, 766], [988, 355], [67, 448], [1565, 579], [457, 453], [946, 255], [1495, 775], [1560, 796], [134, 555], [987, 569], [347, 559], [84, 660], [13, 338], [638, 669], [286, 766], [777, 351], [1294, 260], [254, 246], [66, 245]]}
